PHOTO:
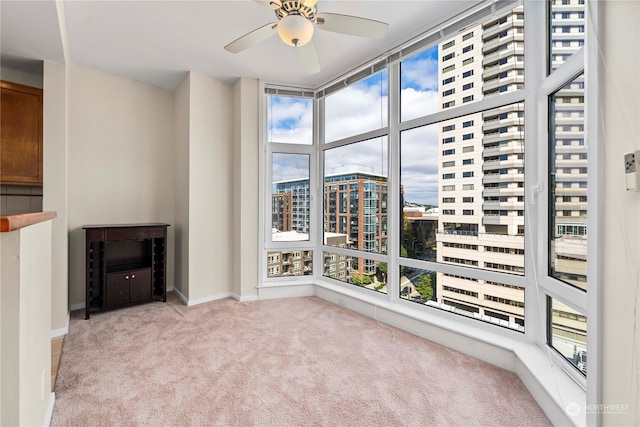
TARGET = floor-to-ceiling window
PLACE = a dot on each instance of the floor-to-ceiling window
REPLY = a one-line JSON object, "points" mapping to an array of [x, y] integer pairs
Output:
{"points": [[449, 176]]}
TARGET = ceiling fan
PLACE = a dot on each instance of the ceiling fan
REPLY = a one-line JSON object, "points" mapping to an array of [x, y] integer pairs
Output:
{"points": [[296, 22]]}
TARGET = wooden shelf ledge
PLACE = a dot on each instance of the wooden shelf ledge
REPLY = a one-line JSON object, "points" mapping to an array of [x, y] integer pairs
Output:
{"points": [[16, 222]]}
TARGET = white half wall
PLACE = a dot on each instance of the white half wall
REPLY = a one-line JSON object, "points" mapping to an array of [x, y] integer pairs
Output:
{"points": [[121, 161]]}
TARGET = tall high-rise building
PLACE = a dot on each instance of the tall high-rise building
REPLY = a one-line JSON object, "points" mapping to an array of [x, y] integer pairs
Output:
{"points": [[481, 183], [481, 215]]}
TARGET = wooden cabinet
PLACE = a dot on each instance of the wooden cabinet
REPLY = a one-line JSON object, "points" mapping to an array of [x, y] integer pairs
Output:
{"points": [[20, 134], [128, 287], [125, 265]]}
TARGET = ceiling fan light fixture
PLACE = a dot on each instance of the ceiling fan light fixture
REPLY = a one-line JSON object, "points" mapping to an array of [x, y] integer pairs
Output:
{"points": [[295, 30]]}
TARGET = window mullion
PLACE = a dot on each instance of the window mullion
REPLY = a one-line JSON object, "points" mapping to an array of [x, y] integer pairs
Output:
{"points": [[394, 210]]}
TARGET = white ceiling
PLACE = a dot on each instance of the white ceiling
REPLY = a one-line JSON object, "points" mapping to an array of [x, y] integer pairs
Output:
{"points": [[157, 42]]}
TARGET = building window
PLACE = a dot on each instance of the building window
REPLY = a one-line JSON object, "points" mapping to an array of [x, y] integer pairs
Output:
{"points": [[467, 74], [467, 48]]}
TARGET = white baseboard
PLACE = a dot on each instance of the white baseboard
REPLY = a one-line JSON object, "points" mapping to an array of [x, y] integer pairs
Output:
{"points": [[190, 302], [61, 331], [75, 307], [49, 414], [286, 291], [249, 298]]}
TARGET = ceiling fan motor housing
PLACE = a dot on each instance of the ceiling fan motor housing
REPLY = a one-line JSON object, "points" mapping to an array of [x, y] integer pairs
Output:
{"points": [[296, 7]]}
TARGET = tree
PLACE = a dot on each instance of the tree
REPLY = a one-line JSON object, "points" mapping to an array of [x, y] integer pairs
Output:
{"points": [[424, 286], [382, 271]]}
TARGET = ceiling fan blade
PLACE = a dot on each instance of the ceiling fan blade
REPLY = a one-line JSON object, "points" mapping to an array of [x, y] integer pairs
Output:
{"points": [[271, 4], [254, 37], [352, 25], [309, 58]]}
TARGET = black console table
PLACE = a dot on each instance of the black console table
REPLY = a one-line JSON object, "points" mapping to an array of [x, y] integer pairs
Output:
{"points": [[126, 264]]}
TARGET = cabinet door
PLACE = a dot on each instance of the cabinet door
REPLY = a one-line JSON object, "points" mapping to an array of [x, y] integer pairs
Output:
{"points": [[117, 292], [140, 285], [21, 134]]}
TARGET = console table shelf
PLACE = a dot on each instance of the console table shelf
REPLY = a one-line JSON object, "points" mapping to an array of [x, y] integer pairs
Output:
{"points": [[125, 265]]}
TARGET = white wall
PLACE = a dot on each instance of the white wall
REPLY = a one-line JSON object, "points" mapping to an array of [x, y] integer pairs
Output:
{"points": [[246, 178], [55, 189], [121, 161], [620, 109], [210, 188], [25, 319]]}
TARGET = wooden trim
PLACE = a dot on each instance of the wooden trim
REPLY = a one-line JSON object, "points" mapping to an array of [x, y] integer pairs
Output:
{"points": [[15, 222]]}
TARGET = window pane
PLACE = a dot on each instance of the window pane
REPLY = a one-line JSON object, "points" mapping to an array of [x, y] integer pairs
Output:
{"points": [[355, 196], [290, 197], [362, 272], [290, 120], [481, 61], [417, 285], [566, 30], [289, 263], [492, 302], [568, 195], [568, 334], [358, 108], [463, 191]]}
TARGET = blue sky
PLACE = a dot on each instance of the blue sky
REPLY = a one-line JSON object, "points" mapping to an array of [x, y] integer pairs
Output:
{"points": [[362, 107]]}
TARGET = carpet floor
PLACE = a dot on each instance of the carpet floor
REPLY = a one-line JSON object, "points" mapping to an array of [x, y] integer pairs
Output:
{"points": [[284, 362]]}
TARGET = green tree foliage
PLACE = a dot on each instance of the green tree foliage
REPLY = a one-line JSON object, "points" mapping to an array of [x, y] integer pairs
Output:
{"points": [[424, 287]]}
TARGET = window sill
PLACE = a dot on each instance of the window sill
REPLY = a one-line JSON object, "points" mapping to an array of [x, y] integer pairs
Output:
{"points": [[554, 390]]}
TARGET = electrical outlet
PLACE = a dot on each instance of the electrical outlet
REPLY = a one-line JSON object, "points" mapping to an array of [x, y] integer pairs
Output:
{"points": [[632, 170], [630, 163]]}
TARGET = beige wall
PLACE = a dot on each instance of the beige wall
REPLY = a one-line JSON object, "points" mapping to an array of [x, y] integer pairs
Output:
{"points": [[181, 218], [246, 179], [620, 109], [121, 161], [210, 187], [55, 189]]}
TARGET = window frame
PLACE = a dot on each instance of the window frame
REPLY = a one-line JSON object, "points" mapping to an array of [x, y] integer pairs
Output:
{"points": [[538, 286]]}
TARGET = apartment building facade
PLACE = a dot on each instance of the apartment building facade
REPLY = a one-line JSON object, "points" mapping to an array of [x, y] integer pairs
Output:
{"points": [[481, 185]]}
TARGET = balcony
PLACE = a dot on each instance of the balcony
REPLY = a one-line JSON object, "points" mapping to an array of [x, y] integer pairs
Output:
{"points": [[497, 192], [502, 149], [507, 177], [502, 164], [500, 54], [509, 206], [504, 136], [511, 37]]}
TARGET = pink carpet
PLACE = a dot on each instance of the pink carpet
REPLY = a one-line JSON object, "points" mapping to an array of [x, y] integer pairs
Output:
{"points": [[287, 362]]}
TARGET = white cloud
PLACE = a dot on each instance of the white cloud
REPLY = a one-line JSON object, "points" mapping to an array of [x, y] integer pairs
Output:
{"points": [[416, 103], [291, 120], [354, 110], [289, 167], [420, 74]]}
